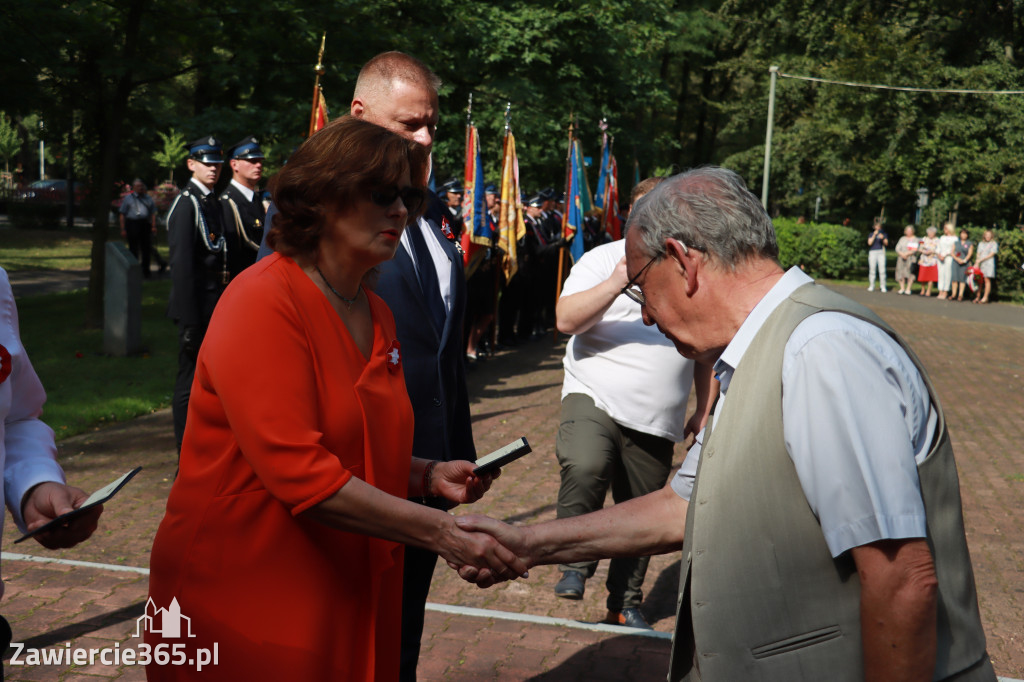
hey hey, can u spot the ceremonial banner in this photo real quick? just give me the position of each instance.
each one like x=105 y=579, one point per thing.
x=319 y=118
x=602 y=175
x=476 y=231
x=577 y=200
x=511 y=227
x=611 y=221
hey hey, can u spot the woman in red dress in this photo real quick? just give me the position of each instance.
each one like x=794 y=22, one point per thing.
x=281 y=547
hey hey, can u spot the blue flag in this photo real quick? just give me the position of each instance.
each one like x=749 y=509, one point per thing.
x=602 y=176
x=574 y=203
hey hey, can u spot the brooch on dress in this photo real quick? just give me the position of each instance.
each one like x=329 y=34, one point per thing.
x=394 y=356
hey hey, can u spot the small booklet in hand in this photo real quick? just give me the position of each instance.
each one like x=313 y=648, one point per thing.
x=98 y=497
x=502 y=456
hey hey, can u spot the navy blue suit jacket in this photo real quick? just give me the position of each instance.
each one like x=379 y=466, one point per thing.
x=432 y=359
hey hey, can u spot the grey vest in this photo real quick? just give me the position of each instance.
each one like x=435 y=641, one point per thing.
x=758 y=586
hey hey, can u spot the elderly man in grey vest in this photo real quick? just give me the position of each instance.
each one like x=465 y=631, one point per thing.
x=819 y=514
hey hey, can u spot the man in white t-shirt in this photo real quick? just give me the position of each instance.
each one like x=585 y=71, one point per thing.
x=623 y=410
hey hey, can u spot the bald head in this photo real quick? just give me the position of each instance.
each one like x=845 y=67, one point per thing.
x=398 y=92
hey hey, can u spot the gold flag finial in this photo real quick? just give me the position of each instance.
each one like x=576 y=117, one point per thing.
x=319 y=68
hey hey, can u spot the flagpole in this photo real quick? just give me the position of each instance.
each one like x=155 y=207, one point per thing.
x=565 y=217
x=498 y=271
x=319 y=69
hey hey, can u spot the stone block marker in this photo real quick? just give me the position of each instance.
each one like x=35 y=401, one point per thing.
x=122 y=302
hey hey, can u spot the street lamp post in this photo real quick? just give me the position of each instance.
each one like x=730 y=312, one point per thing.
x=922 y=201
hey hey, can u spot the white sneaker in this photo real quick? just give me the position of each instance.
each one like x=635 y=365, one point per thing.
x=884 y=290
x=871 y=288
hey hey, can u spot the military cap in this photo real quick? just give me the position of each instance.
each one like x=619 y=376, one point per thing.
x=547 y=194
x=205 y=149
x=246 y=148
x=560 y=198
x=490 y=188
x=452 y=186
x=535 y=201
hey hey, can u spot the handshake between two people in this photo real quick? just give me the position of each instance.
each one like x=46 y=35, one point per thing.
x=508 y=558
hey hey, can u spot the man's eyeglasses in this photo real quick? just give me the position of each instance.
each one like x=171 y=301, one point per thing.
x=412 y=197
x=633 y=292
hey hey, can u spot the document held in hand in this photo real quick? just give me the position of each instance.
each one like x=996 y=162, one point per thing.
x=502 y=456
x=98 y=497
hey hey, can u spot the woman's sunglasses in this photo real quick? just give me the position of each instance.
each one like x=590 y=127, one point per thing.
x=412 y=197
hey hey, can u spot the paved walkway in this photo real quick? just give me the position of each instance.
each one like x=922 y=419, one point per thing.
x=509 y=632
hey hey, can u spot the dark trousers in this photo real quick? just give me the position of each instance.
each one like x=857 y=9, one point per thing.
x=140 y=241
x=596 y=453
x=182 y=388
x=418 y=571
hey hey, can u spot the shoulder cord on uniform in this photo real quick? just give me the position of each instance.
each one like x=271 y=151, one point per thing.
x=220 y=245
x=243 y=235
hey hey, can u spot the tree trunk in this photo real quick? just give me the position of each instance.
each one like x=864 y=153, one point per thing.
x=677 y=129
x=109 y=119
x=702 y=119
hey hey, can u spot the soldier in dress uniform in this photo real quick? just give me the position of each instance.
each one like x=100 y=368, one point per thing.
x=453 y=192
x=199 y=265
x=242 y=204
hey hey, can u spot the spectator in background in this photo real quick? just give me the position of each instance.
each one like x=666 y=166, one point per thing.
x=137 y=216
x=877 y=241
x=947 y=244
x=963 y=250
x=928 y=261
x=986 y=260
x=906 y=250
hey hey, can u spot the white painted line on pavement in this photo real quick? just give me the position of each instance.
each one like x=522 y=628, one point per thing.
x=440 y=608
x=11 y=556
x=545 y=620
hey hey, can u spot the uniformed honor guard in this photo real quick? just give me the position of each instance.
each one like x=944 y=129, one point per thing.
x=452 y=190
x=199 y=265
x=242 y=205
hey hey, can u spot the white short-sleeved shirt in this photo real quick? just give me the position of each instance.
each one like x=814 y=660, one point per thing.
x=28 y=455
x=633 y=373
x=857 y=420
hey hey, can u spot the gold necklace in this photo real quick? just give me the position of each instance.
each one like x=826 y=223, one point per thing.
x=348 y=301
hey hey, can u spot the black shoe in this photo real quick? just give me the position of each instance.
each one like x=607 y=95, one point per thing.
x=571 y=586
x=629 y=617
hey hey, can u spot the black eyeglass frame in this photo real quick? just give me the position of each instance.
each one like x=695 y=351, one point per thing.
x=633 y=292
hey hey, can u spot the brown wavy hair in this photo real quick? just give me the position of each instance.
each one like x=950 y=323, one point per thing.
x=338 y=164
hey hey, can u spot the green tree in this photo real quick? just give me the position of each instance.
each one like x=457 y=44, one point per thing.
x=10 y=140
x=173 y=152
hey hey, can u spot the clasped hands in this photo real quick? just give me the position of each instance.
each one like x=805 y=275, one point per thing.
x=508 y=557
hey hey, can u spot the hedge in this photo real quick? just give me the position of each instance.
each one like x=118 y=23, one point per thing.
x=821 y=249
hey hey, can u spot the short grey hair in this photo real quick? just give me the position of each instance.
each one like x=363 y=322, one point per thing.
x=710 y=209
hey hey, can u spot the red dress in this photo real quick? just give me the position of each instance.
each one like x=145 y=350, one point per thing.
x=284 y=410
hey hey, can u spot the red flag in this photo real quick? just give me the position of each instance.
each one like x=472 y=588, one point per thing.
x=318 y=119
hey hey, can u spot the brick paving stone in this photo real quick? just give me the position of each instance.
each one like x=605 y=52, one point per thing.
x=972 y=354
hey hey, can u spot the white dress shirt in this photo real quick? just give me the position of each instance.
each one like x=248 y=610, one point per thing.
x=442 y=264
x=857 y=420
x=28 y=455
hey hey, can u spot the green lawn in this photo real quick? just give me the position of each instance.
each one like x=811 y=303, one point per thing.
x=44 y=249
x=85 y=388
